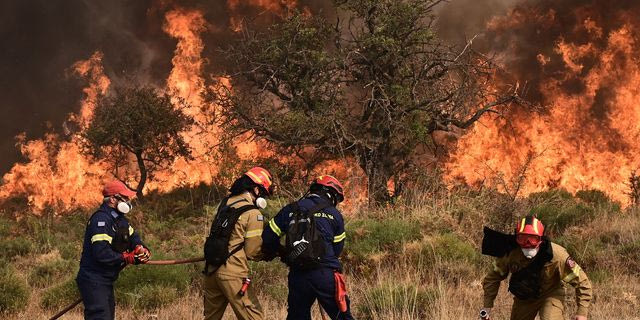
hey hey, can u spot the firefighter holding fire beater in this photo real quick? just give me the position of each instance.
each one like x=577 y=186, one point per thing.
x=110 y=244
x=539 y=270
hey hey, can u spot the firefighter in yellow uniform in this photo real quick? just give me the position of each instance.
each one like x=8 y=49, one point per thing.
x=223 y=283
x=539 y=270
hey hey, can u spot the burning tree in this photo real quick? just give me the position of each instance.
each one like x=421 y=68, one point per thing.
x=373 y=85
x=140 y=122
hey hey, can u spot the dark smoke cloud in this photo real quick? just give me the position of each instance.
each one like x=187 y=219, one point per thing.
x=460 y=20
x=535 y=27
x=42 y=39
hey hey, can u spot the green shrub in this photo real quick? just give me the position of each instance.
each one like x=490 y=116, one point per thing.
x=71 y=250
x=559 y=216
x=630 y=255
x=5 y=226
x=588 y=253
x=368 y=236
x=15 y=247
x=600 y=276
x=399 y=299
x=47 y=272
x=14 y=292
x=130 y=287
x=449 y=247
x=270 y=278
x=153 y=296
x=593 y=196
x=551 y=195
x=60 y=295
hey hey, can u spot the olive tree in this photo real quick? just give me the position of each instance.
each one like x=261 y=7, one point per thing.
x=139 y=122
x=372 y=83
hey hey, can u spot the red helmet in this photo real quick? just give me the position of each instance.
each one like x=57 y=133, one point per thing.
x=331 y=182
x=261 y=177
x=117 y=187
x=529 y=232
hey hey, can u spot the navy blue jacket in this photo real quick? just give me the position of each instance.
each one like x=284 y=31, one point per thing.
x=100 y=262
x=329 y=222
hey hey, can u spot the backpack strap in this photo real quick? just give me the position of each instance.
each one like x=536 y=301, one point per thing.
x=317 y=207
x=238 y=212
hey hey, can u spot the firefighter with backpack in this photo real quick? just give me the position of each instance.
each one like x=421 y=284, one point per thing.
x=235 y=238
x=314 y=238
x=540 y=270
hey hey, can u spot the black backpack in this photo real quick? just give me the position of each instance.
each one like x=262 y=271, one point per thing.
x=304 y=247
x=216 y=247
x=525 y=283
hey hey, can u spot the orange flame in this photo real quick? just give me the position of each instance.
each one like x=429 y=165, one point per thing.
x=56 y=173
x=569 y=146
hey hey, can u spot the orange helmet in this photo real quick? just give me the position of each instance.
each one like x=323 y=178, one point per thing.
x=529 y=232
x=261 y=177
x=332 y=183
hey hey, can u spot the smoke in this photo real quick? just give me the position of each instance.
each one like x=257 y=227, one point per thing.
x=529 y=36
x=578 y=59
x=42 y=39
x=460 y=20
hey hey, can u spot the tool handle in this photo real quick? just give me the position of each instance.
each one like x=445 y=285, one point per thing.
x=65 y=310
x=171 y=262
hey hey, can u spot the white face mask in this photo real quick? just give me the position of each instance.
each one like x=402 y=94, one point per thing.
x=124 y=207
x=261 y=203
x=530 y=253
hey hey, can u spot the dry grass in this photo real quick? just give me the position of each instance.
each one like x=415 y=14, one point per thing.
x=434 y=276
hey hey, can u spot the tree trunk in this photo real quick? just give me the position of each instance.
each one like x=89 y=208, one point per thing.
x=143 y=174
x=378 y=172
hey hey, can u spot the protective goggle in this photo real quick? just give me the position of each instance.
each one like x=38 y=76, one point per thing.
x=122 y=198
x=528 y=241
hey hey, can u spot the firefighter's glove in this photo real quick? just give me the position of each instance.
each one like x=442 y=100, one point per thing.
x=129 y=257
x=141 y=254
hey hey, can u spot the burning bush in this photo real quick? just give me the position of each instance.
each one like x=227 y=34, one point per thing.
x=376 y=85
x=140 y=122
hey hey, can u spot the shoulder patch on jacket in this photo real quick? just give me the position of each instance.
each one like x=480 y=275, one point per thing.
x=570 y=263
x=101 y=223
x=260 y=217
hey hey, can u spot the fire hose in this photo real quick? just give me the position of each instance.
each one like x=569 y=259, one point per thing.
x=151 y=262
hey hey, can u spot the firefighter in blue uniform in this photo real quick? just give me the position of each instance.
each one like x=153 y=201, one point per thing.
x=307 y=285
x=110 y=244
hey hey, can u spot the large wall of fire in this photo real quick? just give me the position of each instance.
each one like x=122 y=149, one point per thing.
x=578 y=59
